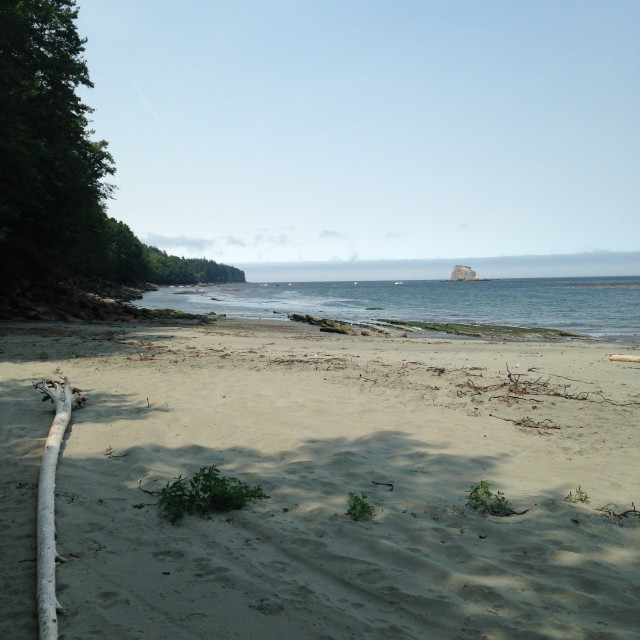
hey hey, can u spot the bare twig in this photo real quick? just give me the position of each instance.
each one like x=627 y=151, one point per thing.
x=544 y=424
x=518 y=388
x=609 y=509
x=151 y=493
x=385 y=484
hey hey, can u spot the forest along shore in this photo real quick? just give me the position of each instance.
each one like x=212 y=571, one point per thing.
x=416 y=429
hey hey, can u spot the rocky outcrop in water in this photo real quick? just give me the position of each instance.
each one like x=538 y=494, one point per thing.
x=461 y=272
x=330 y=326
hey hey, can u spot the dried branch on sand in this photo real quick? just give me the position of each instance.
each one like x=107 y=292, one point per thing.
x=624 y=358
x=63 y=396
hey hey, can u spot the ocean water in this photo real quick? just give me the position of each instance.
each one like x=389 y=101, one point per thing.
x=603 y=308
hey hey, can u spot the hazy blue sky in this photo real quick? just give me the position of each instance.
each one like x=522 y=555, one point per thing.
x=329 y=130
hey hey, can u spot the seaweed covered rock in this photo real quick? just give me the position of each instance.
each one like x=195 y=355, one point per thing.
x=330 y=326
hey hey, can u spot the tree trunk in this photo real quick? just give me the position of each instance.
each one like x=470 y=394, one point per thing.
x=62 y=396
x=625 y=358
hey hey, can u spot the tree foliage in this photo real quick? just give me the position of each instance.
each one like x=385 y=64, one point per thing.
x=53 y=175
x=166 y=269
x=52 y=191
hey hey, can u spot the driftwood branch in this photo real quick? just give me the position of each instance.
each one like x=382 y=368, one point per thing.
x=624 y=358
x=517 y=388
x=609 y=509
x=63 y=396
x=531 y=424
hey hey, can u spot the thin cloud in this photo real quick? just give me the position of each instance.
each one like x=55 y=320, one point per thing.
x=396 y=234
x=281 y=239
x=234 y=242
x=183 y=242
x=329 y=234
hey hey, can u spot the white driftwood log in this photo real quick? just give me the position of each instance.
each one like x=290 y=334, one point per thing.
x=625 y=358
x=63 y=397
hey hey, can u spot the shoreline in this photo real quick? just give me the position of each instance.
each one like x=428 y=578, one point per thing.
x=312 y=416
x=380 y=301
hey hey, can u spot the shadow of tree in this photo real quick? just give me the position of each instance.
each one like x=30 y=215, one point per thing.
x=295 y=565
x=424 y=566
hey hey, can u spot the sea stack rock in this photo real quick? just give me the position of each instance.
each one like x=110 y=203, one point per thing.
x=460 y=272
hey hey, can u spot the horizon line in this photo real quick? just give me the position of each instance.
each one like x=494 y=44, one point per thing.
x=592 y=264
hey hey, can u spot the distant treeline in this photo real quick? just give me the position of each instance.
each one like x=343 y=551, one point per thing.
x=165 y=269
x=54 y=176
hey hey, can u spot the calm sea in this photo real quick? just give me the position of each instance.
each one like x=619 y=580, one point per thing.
x=604 y=308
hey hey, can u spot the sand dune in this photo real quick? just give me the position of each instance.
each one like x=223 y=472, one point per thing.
x=310 y=417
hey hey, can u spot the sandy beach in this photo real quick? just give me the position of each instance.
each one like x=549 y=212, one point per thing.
x=310 y=417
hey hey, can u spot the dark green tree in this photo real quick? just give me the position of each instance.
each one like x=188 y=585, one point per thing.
x=166 y=269
x=52 y=190
x=126 y=261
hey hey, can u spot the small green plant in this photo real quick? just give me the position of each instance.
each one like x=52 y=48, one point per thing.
x=205 y=493
x=359 y=508
x=526 y=421
x=482 y=498
x=580 y=496
x=43 y=355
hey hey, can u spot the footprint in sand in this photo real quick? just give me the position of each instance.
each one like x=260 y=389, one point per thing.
x=109 y=598
x=267 y=606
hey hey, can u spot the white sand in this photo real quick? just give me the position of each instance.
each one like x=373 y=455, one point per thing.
x=311 y=416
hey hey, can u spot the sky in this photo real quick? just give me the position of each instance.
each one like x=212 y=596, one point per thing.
x=346 y=132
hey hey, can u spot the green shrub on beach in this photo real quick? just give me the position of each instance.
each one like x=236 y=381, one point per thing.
x=580 y=496
x=205 y=493
x=483 y=499
x=359 y=508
